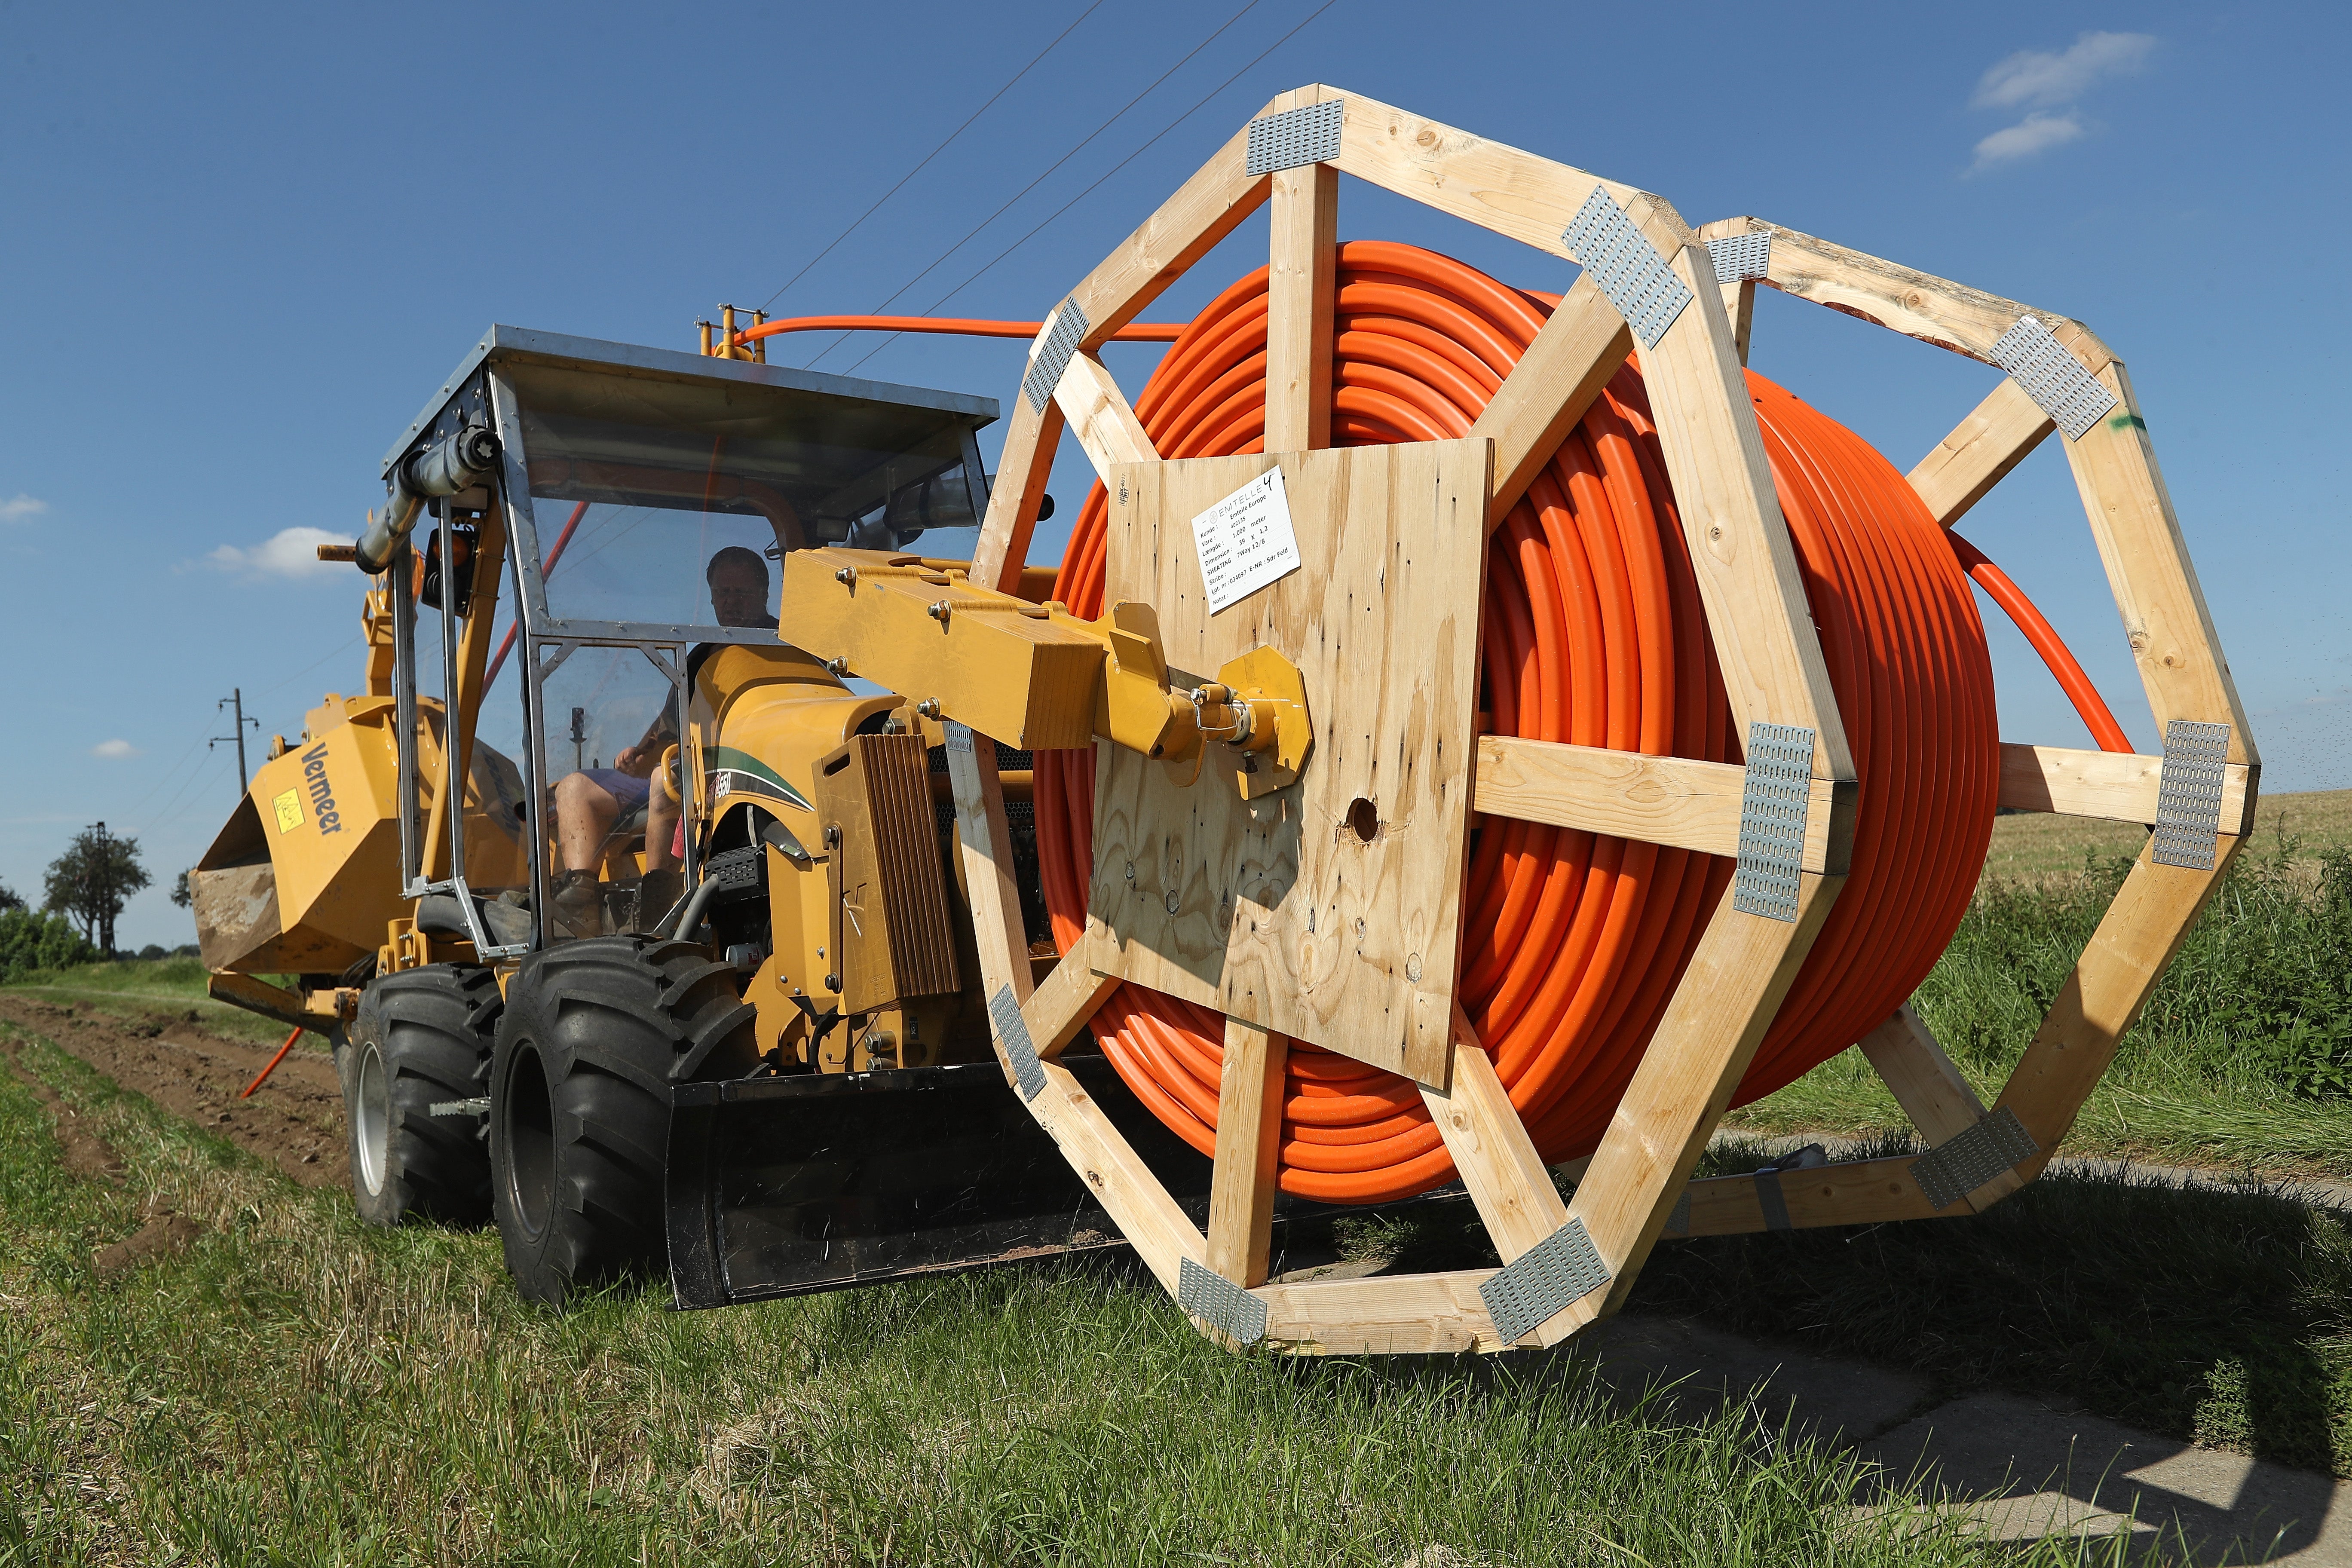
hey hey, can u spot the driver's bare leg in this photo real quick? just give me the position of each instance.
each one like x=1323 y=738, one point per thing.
x=584 y=813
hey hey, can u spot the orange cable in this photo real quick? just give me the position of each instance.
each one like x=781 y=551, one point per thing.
x=2046 y=642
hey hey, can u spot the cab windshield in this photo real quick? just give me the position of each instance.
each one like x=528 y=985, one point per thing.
x=639 y=483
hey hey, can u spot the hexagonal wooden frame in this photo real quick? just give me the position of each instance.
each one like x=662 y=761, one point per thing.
x=1636 y=1186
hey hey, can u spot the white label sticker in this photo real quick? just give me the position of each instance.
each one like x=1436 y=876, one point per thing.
x=1246 y=540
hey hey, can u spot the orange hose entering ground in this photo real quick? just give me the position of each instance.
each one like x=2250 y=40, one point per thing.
x=1593 y=635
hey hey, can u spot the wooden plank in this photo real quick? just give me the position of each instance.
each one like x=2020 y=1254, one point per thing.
x=1918 y=304
x=1515 y=194
x=1508 y=1180
x=1115 y=1175
x=1099 y=415
x=2113 y=786
x=1571 y=359
x=1249 y=1132
x=1276 y=910
x=1933 y=1092
x=2139 y=935
x=1403 y=1314
x=1747 y=566
x=1855 y=1191
x=1030 y=436
x=1980 y=452
x=1735 y=983
x=1058 y=1009
x=1302 y=276
x=989 y=880
x=1739 y=304
x=1675 y=801
x=2139 y=533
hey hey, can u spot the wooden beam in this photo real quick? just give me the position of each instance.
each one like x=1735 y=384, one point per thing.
x=2113 y=786
x=1030 y=436
x=1679 y=802
x=1115 y=1175
x=1249 y=1134
x=2139 y=935
x=1401 y=1314
x=1727 y=996
x=1515 y=194
x=1938 y=1100
x=1980 y=452
x=1563 y=371
x=989 y=880
x=1058 y=1009
x=2138 y=534
x=1301 y=280
x=1747 y=566
x=1099 y=415
x=1918 y=304
x=1854 y=1192
x=1508 y=1180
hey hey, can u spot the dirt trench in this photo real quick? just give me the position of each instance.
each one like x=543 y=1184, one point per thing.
x=295 y=1120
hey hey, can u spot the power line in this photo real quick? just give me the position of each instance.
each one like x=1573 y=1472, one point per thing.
x=162 y=779
x=934 y=152
x=941 y=259
x=1115 y=168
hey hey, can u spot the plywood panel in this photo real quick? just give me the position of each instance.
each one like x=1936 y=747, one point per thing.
x=1276 y=910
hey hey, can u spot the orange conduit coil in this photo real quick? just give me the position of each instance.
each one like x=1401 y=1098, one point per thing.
x=1593 y=634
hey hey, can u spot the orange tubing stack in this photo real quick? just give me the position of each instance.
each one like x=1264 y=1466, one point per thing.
x=1593 y=635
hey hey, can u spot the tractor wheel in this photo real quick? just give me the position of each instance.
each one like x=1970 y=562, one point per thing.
x=421 y=1040
x=595 y=1033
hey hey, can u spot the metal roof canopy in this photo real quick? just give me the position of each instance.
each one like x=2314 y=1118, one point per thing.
x=503 y=343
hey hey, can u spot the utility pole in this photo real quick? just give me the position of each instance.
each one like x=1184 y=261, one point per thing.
x=236 y=701
x=97 y=876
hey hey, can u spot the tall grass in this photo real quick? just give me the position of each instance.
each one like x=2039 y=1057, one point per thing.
x=294 y=1387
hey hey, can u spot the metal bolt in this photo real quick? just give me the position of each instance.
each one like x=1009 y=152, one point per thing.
x=847 y=576
x=937 y=610
x=929 y=707
x=833 y=982
x=836 y=667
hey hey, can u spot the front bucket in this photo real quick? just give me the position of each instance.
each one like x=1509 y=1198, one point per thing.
x=781 y=1187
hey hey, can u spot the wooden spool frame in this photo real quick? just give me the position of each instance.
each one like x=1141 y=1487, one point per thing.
x=1636 y=1183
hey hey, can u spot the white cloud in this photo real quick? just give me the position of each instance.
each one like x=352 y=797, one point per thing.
x=2034 y=133
x=2036 y=79
x=114 y=751
x=288 y=552
x=21 y=507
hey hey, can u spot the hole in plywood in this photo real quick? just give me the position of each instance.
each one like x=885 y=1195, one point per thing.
x=1363 y=819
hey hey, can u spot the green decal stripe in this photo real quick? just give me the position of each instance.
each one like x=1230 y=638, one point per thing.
x=719 y=757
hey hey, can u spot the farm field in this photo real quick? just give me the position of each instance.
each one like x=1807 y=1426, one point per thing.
x=205 y=1358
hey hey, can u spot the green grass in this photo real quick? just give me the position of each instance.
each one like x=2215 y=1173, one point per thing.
x=295 y=1388
x=2242 y=1059
x=149 y=988
x=2035 y=845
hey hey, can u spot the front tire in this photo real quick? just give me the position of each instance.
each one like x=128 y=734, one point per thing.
x=422 y=1038
x=595 y=1033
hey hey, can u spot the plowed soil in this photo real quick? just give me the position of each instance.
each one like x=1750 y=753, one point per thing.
x=295 y=1120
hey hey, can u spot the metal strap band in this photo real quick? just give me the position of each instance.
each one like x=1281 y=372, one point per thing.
x=1561 y=1268
x=1769 y=1198
x=1772 y=807
x=1678 y=1222
x=1219 y=1302
x=2054 y=379
x=1967 y=1161
x=1062 y=341
x=1004 y=1011
x=2189 y=793
x=1296 y=138
x=1626 y=268
x=1739 y=257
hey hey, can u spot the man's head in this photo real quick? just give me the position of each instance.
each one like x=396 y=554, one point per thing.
x=738 y=587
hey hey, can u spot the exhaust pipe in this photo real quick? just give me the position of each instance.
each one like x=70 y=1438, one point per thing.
x=454 y=463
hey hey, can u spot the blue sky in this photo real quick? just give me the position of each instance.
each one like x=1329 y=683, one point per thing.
x=241 y=243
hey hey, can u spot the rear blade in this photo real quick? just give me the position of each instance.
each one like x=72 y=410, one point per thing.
x=782 y=1187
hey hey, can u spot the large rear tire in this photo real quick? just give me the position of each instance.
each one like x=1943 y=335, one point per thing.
x=595 y=1033
x=423 y=1038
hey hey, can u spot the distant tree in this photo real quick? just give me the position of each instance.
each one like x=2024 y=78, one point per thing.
x=29 y=942
x=93 y=879
x=179 y=893
x=154 y=950
x=9 y=900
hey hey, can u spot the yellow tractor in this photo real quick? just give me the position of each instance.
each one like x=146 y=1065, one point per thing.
x=1474 y=732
